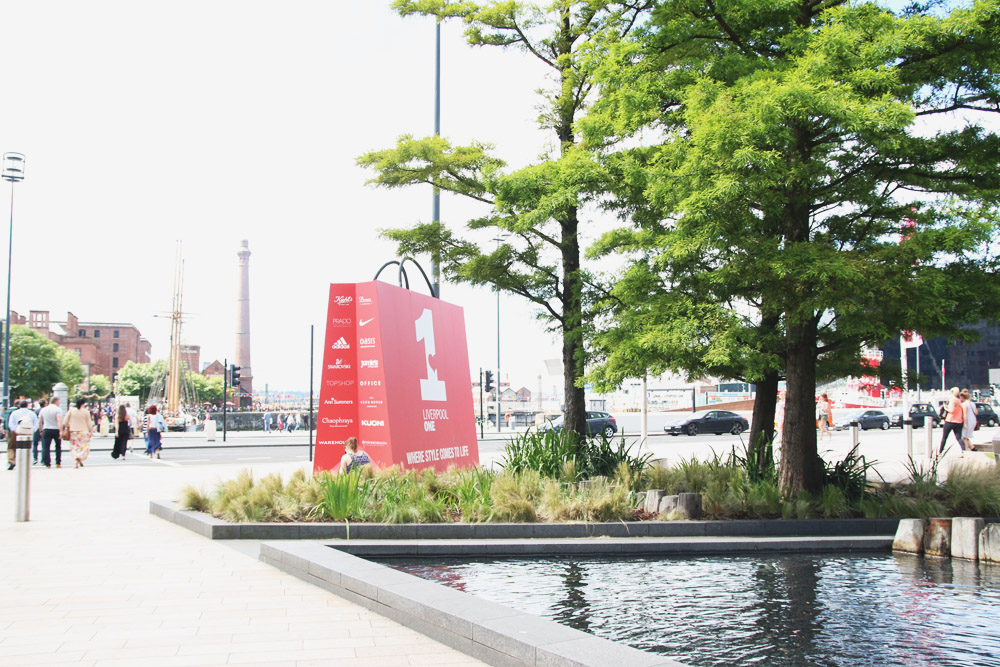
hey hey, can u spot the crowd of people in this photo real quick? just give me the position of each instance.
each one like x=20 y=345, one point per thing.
x=51 y=427
x=286 y=421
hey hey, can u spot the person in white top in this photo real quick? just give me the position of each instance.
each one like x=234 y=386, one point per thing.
x=51 y=417
x=22 y=412
x=971 y=418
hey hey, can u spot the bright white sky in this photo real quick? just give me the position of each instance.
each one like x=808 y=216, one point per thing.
x=144 y=123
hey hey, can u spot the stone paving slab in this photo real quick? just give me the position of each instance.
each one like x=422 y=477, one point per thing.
x=95 y=579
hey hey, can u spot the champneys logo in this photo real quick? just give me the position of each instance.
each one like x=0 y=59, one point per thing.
x=341 y=345
x=343 y=300
x=369 y=363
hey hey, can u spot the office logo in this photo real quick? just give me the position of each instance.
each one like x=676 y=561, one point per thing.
x=341 y=345
x=369 y=383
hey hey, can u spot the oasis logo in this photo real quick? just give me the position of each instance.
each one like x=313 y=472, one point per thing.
x=369 y=363
x=341 y=345
x=372 y=422
x=338 y=422
x=364 y=301
x=338 y=365
x=334 y=401
x=367 y=342
x=340 y=383
x=343 y=300
x=341 y=321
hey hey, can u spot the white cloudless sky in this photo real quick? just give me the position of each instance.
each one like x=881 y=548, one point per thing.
x=147 y=123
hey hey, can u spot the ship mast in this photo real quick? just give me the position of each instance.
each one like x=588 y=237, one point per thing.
x=174 y=362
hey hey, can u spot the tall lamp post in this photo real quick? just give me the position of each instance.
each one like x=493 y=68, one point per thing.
x=13 y=171
x=499 y=239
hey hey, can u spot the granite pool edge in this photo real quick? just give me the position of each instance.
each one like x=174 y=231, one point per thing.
x=217 y=529
x=487 y=631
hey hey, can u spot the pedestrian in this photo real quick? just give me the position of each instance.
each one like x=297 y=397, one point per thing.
x=352 y=458
x=36 y=439
x=123 y=431
x=291 y=422
x=971 y=418
x=22 y=412
x=954 y=419
x=154 y=424
x=80 y=425
x=267 y=422
x=51 y=426
x=823 y=416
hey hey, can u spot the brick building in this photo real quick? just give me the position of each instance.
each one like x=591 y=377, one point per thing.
x=191 y=355
x=104 y=347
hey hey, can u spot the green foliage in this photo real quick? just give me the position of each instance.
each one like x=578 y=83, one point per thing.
x=35 y=363
x=341 y=496
x=206 y=388
x=100 y=385
x=850 y=475
x=71 y=370
x=193 y=498
x=565 y=455
x=136 y=379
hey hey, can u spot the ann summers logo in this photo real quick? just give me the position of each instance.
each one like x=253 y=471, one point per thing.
x=334 y=401
x=341 y=344
x=372 y=422
x=367 y=342
x=343 y=300
x=369 y=363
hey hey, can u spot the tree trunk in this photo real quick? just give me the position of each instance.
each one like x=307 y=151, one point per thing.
x=762 y=421
x=800 y=466
x=572 y=330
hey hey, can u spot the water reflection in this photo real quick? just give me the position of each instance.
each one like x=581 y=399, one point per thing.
x=788 y=610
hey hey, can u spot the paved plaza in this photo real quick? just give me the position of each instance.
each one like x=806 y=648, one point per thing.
x=94 y=579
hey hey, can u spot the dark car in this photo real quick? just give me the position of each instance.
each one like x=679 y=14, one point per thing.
x=922 y=411
x=986 y=416
x=866 y=419
x=713 y=421
x=895 y=418
x=598 y=423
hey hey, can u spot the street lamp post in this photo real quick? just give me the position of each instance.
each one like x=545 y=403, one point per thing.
x=13 y=171
x=499 y=239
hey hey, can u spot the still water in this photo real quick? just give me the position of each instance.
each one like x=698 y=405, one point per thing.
x=872 y=609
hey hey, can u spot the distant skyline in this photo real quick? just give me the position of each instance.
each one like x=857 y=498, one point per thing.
x=147 y=123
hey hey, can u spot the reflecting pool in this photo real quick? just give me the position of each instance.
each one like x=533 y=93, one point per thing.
x=869 y=609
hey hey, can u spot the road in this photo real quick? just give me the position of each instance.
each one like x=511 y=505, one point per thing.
x=886 y=448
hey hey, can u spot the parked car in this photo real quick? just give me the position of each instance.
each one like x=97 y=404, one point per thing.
x=987 y=416
x=895 y=418
x=922 y=411
x=597 y=423
x=866 y=419
x=713 y=421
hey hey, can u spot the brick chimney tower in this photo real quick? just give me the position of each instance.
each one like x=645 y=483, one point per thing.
x=242 y=358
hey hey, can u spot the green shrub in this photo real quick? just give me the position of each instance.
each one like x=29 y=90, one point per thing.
x=195 y=499
x=972 y=490
x=833 y=503
x=561 y=454
x=515 y=496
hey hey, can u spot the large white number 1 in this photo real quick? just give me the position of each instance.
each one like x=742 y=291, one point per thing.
x=431 y=389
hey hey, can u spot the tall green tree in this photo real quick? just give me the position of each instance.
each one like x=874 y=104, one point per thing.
x=72 y=372
x=206 y=388
x=539 y=208
x=135 y=379
x=34 y=363
x=767 y=156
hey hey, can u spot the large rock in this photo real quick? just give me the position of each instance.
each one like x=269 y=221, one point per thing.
x=989 y=543
x=667 y=504
x=652 y=503
x=689 y=504
x=937 y=538
x=965 y=537
x=910 y=536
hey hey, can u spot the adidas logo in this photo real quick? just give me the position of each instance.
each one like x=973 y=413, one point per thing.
x=341 y=344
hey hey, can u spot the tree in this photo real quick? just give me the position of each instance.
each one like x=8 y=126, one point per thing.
x=34 y=363
x=100 y=386
x=207 y=388
x=136 y=379
x=71 y=370
x=793 y=142
x=541 y=205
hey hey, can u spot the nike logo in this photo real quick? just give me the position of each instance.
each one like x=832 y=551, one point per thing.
x=364 y=322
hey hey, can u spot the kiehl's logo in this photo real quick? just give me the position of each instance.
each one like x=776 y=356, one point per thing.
x=343 y=300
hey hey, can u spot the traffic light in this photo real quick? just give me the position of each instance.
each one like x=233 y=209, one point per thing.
x=993 y=390
x=234 y=375
x=489 y=382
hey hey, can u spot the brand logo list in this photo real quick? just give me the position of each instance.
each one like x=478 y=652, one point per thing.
x=367 y=342
x=369 y=363
x=369 y=383
x=372 y=422
x=341 y=344
x=339 y=365
x=340 y=383
x=334 y=401
x=338 y=422
x=341 y=321
x=343 y=300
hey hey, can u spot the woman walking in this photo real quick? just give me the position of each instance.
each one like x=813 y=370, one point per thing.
x=971 y=419
x=953 y=421
x=80 y=425
x=123 y=431
x=823 y=416
x=154 y=428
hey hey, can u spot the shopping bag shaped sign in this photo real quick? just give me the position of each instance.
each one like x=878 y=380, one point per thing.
x=396 y=376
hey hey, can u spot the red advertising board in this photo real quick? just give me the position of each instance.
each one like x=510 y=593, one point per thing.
x=396 y=376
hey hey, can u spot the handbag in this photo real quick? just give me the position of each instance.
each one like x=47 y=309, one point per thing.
x=64 y=435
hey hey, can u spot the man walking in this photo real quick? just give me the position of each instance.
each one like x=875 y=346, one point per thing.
x=51 y=426
x=37 y=438
x=267 y=422
x=22 y=412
